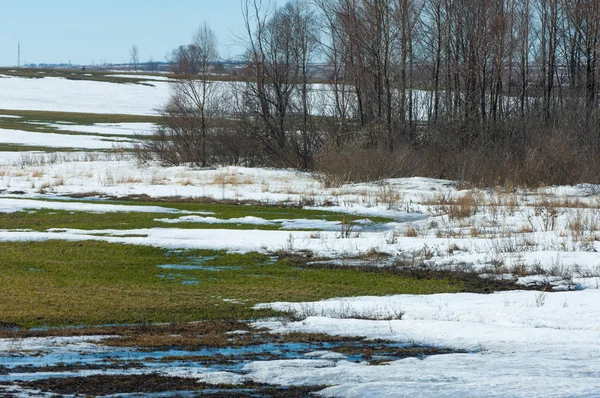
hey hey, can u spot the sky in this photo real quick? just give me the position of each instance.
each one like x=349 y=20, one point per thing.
x=86 y=32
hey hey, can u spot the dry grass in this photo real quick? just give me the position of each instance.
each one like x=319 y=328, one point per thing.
x=389 y=197
x=411 y=232
x=581 y=224
x=129 y=180
x=463 y=207
x=44 y=186
x=231 y=179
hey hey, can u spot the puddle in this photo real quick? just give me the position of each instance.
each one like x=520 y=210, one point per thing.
x=185 y=267
x=103 y=365
x=197 y=263
x=271 y=276
x=183 y=279
x=191 y=282
x=87 y=359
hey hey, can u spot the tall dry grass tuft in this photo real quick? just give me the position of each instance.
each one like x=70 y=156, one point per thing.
x=463 y=207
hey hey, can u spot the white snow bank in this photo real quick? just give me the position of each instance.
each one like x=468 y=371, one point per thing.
x=325 y=244
x=11 y=205
x=109 y=128
x=521 y=344
x=303 y=223
x=145 y=77
x=53 y=140
x=62 y=95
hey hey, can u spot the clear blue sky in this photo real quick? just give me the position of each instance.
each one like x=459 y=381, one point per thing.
x=82 y=31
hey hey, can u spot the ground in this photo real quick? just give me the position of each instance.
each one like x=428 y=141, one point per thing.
x=121 y=277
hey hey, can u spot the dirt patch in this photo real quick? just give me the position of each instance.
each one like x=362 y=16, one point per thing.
x=471 y=281
x=105 y=385
x=184 y=336
x=207 y=333
x=71 y=367
x=8 y=326
x=380 y=351
x=138 y=358
x=178 y=199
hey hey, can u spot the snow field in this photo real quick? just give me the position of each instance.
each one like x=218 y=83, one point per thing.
x=550 y=230
x=58 y=94
x=519 y=344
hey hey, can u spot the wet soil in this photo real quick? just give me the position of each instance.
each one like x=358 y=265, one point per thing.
x=137 y=359
x=139 y=384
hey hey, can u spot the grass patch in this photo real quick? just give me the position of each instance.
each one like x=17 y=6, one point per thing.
x=73 y=117
x=272 y=212
x=58 y=283
x=30 y=148
x=74 y=74
x=42 y=220
x=37 y=122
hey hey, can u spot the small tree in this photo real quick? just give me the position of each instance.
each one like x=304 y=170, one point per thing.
x=134 y=53
x=281 y=43
x=194 y=103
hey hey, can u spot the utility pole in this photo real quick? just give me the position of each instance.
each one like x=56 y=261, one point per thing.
x=19 y=55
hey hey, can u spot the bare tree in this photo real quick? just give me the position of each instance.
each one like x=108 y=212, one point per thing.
x=497 y=79
x=195 y=102
x=280 y=48
x=134 y=54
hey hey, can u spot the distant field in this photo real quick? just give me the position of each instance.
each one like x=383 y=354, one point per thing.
x=76 y=74
x=82 y=94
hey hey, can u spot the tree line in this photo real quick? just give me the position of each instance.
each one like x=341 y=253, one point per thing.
x=480 y=90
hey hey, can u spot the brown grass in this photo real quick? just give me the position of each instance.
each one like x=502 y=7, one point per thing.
x=231 y=179
x=411 y=232
x=463 y=207
x=129 y=180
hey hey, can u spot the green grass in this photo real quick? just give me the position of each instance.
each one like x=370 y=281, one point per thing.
x=30 y=121
x=75 y=117
x=37 y=121
x=42 y=220
x=242 y=210
x=28 y=118
x=58 y=283
x=28 y=148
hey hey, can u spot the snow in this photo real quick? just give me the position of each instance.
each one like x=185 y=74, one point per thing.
x=130 y=129
x=519 y=343
x=63 y=95
x=499 y=239
x=58 y=94
x=361 y=225
x=243 y=241
x=112 y=135
x=144 y=77
x=58 y=345
x=515 y=346
x=53 y=140
x=12 y=205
